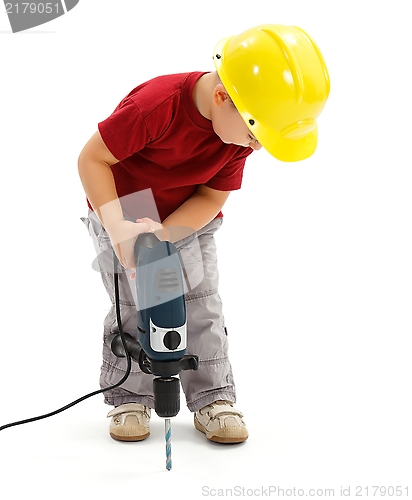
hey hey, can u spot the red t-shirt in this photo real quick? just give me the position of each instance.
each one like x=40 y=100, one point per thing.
x=166 y=148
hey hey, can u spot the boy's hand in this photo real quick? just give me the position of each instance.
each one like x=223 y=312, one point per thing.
x=123 y=235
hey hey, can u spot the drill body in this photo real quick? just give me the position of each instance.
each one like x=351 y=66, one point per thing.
x=161 y=314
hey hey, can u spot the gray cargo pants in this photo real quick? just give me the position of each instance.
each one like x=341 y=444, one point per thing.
x=206 y=337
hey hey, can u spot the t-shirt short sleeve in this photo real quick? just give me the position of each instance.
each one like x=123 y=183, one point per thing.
x=124 y=132
x=229 y=178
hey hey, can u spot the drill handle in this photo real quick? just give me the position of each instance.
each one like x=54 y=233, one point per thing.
x=115 y=343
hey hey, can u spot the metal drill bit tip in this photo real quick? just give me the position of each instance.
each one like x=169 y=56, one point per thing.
x=168 y=437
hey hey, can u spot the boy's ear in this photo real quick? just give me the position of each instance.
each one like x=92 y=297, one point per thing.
x=220 y=95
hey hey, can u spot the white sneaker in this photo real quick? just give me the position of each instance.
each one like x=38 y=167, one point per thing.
x=130 y=422
x=221 y=422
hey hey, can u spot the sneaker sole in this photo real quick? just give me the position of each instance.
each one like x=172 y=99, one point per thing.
x=129 y=436
x=219 y=439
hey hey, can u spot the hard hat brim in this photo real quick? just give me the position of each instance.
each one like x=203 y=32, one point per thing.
x=288 y=150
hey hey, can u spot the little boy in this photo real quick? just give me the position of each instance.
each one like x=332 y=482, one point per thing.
x=184 y=139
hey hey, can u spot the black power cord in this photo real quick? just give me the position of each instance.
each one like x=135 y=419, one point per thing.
x=128 y=357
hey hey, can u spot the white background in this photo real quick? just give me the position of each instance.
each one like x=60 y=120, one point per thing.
x=315 y=260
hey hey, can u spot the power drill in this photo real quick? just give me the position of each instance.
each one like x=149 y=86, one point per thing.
x=160 y=343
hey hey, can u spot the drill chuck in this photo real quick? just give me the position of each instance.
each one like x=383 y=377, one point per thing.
x=167 y=396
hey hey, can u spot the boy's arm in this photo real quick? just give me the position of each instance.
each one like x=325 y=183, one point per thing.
x=98 y=182
x=94 y=165
x=194 y=213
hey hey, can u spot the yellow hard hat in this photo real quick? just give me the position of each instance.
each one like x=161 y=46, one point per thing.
x=279 y=83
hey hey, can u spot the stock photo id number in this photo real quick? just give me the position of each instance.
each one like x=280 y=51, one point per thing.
x=26 y=15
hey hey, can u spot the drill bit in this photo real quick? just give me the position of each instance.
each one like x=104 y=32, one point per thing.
x=168 y=437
